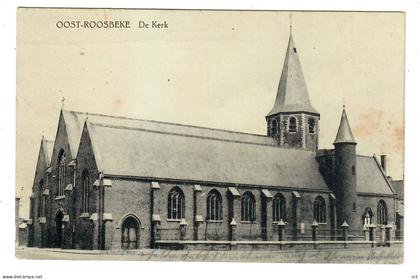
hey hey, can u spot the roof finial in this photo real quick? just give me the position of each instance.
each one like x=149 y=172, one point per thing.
x=344 y=103
x=62 y=101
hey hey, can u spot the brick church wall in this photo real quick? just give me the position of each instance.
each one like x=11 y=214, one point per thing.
x=127 y=197
x=81 y=220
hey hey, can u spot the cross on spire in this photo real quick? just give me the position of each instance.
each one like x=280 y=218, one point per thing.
x=62 y=101
x=290 y=22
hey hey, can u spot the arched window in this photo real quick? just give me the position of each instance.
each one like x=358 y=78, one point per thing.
x=279 y=208
x=62 y=165
x=130 y=234
x=248 y=207
x=311 y=124
x=320 y=210
x=176 y=204
x=382 y=213
x=85 y=191
x=274 y=127
x=292 y=124
x=41 y=203
x=214 y=206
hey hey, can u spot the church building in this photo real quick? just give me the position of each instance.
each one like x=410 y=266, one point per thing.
x=109 y=182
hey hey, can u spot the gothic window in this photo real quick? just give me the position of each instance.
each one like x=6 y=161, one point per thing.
x=382 y=213
x=85 y=191
x=279 y=208
x=214 y=206
x=319 y=210
x=176 y=204
x=248 y=207
x=274 y=127
x=311 y=124
x=292 y=124
x=41 y=202
x=353 y=170
x=62 y=165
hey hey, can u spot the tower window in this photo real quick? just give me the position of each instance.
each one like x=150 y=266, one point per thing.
x=292 y=124
x=274 y=129
x=294 y=49
x=353 y=170
x=311 y=124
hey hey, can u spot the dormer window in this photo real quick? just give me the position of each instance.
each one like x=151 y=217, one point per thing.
x=274 y=127
x=292 y=124
x=311 y=125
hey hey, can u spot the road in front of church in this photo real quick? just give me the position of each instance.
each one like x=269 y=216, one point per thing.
x=377 y=255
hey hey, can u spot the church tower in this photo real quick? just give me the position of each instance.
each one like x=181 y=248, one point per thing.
x=346 y=175
x=292 y=121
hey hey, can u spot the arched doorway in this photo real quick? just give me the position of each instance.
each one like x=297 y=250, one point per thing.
x=130 y=237
x=59 y=228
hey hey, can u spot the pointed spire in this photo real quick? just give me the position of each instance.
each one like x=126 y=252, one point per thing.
x=292 y=94
x=344 y=134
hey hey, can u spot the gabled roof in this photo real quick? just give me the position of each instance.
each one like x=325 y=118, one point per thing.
x=292 y=94
x=370 y=177
x=136 y=152
x=74 y=125
x=344 y=133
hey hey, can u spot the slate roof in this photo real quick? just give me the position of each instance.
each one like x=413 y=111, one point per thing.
x=398 y=186
x=292 y=94
x=370 y=177
x=75 y=121
x=129 y=151
x=344 y=133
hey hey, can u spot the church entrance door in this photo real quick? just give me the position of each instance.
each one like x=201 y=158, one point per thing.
x=59 y=228
x=130 y=234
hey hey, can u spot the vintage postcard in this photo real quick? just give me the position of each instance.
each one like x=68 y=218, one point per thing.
x=198 y=135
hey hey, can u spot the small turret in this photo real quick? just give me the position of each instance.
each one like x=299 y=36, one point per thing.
x=346 y=175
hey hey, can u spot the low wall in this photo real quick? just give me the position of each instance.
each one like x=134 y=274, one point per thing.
x=267 y=245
